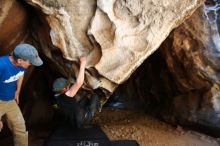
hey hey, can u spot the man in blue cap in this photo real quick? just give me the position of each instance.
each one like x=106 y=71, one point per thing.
x=12 y=70
x=75 y=110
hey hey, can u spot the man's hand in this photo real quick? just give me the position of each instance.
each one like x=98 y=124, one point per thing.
x=17 y=97
x=79 y=80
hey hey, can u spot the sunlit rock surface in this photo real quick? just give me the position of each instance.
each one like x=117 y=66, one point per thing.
x=116 y=35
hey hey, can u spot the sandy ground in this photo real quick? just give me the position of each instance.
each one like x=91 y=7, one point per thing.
x=130 y=125
x=147 y=131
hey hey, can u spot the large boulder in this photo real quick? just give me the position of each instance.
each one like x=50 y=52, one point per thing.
x=117 y=35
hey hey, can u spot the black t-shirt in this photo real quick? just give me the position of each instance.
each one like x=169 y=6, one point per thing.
x=73 y=112
x=68 y=107
x=65 y=101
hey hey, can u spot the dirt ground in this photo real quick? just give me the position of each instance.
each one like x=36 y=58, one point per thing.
x=147 y=131
x=130 y=125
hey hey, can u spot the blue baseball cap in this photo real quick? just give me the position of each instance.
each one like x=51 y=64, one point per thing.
x=61 y=83
x=28 y=52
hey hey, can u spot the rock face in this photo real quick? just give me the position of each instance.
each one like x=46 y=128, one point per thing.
x=117 y=35
x=187 y=62
x=13 y=24
x=195 y=48
x=136 y=33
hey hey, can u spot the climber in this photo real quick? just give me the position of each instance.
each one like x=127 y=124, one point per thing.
x=75 y=111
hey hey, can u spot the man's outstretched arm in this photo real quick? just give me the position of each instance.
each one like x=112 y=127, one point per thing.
x=80 y=79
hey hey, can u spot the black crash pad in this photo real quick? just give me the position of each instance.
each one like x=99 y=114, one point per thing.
x=89 y=136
